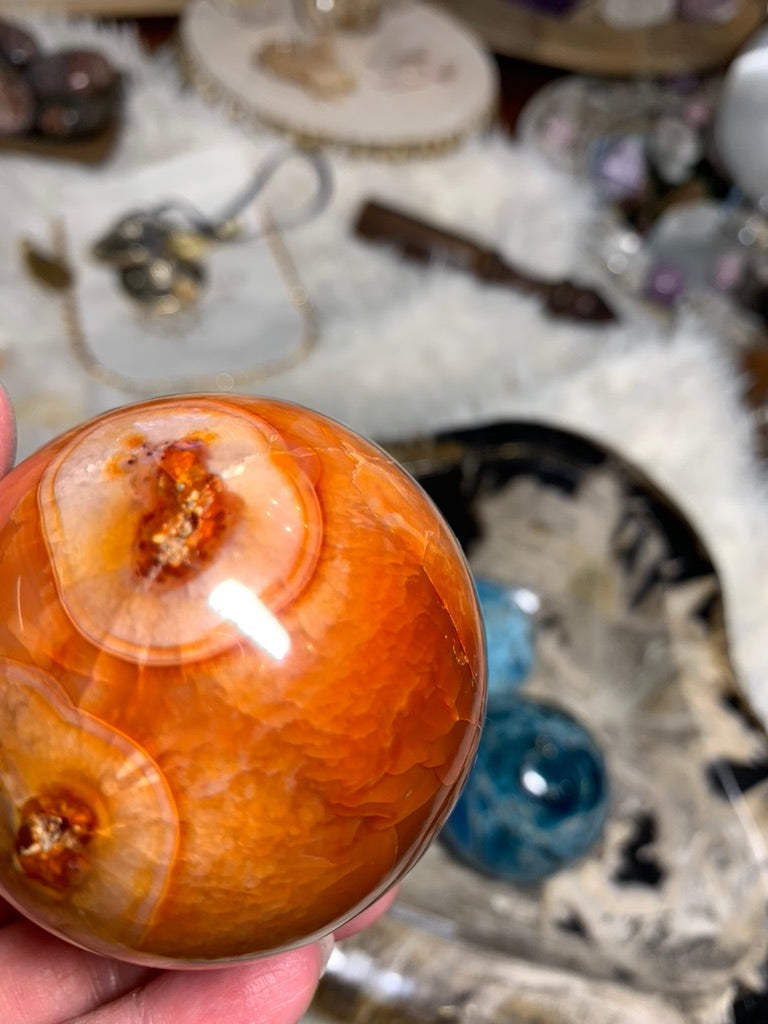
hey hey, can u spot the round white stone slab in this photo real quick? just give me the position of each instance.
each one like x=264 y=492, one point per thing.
x=420 y=82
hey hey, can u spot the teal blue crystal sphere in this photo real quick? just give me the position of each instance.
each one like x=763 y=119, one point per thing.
x=509 y=633
x=537 y=797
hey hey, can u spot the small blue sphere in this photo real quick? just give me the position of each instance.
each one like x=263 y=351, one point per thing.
x=537 y=797
x=509 y=635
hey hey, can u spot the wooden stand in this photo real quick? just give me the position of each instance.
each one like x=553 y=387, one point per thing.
x=585 y=43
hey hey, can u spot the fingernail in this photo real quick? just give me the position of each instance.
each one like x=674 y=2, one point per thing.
x=324 y=949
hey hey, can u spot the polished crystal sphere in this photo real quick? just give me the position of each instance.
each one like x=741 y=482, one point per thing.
x=17 y=102
x=509 y=634
x=537 y=797
x=77 y=92
x=17 y=46
x=241 y=679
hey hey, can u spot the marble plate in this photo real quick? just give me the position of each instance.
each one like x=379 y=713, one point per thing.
x=419 y=84
x=664 y=919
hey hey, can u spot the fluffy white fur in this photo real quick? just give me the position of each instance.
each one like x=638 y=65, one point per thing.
x=406 y=350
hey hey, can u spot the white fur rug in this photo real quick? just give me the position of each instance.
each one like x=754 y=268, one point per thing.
x=404 y=350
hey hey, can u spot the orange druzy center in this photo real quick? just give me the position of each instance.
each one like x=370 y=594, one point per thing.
x=52 y=839
x=187 y=515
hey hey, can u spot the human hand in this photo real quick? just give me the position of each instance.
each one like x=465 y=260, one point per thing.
x=7 y=433
x=46 y=981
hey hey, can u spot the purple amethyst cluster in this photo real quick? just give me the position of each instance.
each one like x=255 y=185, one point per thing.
x=555 y=7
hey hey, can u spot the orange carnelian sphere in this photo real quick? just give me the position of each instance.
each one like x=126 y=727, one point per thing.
x=241 y=679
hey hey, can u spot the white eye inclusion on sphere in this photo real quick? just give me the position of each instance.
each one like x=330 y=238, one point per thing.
x=154 y=601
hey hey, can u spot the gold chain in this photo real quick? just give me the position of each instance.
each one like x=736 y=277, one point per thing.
x=223 y=381
x=217 y=94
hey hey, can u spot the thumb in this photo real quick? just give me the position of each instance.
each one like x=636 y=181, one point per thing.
x=7 y=433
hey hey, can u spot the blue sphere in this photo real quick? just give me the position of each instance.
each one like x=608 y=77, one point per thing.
x=537 y=797
x=509 y=635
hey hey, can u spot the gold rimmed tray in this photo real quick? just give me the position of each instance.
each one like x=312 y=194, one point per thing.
x=419 y=84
